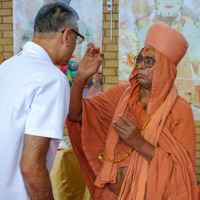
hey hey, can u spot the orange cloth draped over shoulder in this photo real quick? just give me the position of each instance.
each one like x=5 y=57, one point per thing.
x=171 y=173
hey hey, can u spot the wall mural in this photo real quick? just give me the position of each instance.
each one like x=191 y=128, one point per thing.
x=135 y=18
x=90 y=25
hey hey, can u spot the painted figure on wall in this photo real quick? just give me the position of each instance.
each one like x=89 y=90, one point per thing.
x=185 y=19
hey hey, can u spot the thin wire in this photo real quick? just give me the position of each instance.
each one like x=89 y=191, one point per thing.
x=111 y=22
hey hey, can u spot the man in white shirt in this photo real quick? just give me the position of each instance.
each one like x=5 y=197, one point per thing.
x=34 y=103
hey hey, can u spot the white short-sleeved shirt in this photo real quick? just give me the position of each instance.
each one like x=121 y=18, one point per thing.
x=34 y=100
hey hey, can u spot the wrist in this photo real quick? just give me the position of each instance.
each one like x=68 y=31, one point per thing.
x=138 y=143
x=145 y=149
x=80 y=77
x=81 y=86
x=80 y=80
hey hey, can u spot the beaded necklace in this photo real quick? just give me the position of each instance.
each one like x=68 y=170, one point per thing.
x=102 y=155
x=145 y=124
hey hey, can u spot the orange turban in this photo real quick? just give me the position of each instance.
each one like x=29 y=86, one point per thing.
x=168 y=41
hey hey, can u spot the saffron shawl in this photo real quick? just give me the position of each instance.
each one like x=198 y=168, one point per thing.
x=170 y=174
x=173 y=162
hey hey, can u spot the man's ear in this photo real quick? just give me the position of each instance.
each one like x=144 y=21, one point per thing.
x=66 y=36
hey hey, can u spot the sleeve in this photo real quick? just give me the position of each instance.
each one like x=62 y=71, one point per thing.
x=98 y=110
x=48 y=102
x=184 y=128
x=171 y=171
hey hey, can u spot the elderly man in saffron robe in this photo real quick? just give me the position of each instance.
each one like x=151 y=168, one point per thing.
x=137 y=141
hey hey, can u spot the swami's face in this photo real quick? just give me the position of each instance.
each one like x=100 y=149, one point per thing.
x=145 y=66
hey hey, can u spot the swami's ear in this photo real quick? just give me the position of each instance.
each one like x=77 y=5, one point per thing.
x=66 y=36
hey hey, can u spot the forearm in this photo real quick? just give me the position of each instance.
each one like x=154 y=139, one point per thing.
x=75 y=108
x=33 y=167
x=144 y=148
x=38 y=185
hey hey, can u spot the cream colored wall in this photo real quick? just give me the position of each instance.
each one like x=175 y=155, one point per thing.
x=110 y=50
x=6 y=29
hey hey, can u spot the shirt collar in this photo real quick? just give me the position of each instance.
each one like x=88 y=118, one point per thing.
x=36 y=49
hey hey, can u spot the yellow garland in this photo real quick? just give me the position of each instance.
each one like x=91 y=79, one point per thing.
x=102 y=156
x=145 y=124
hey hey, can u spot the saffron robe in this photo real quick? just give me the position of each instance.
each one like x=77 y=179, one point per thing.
x=171 y=173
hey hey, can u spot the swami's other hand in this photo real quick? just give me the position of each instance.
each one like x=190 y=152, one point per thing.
x=128 y=131
x=131 y=135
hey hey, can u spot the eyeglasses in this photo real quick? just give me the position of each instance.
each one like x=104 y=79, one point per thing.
x=80 y=37
x=148 y=61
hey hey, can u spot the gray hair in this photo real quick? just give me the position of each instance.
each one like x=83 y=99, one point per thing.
x=54 y=17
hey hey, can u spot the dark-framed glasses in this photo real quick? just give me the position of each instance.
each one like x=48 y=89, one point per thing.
x=148 y=61
x=80 y=37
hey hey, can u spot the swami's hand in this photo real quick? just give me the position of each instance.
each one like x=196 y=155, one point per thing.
x=131 y=135
x=90 y=63
x=128 y=131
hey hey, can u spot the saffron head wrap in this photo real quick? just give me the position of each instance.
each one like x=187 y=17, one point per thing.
x=168 y=41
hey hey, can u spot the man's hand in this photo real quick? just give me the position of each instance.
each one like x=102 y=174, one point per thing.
x=130 y=134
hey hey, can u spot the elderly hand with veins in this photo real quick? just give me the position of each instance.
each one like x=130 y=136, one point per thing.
x=131 y=135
